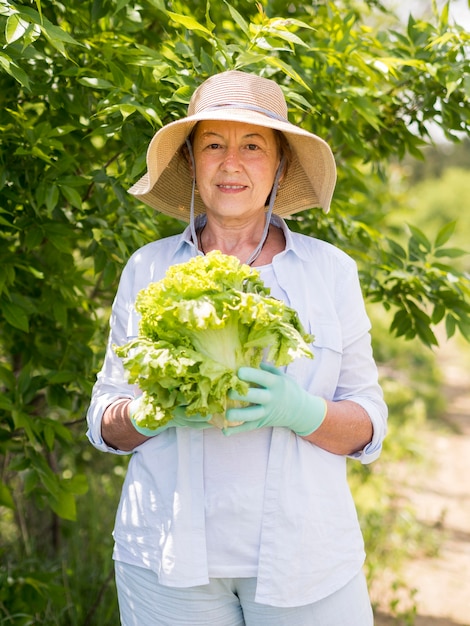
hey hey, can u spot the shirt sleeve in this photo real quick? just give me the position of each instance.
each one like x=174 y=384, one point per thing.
x=111 y=382
x=358 y=380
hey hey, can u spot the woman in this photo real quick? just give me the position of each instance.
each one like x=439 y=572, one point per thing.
x=257 y=527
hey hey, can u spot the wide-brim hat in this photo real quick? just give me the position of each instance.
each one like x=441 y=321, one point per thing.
x=235 y=96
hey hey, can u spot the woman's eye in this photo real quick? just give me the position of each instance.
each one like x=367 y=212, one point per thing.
x=252 y=146
x=210 y=146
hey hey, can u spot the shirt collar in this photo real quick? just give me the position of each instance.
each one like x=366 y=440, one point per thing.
x=186 y=239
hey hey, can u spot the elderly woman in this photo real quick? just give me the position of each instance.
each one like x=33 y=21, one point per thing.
x=258 y=527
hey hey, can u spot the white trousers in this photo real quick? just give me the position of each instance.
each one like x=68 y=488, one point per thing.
x=230 y=602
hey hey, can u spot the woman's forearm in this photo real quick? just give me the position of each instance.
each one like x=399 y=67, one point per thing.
x=117 y=429
x=347 y=428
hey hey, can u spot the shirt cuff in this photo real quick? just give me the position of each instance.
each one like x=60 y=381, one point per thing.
x=95 y=414
x=372 y=450
x=370 y=453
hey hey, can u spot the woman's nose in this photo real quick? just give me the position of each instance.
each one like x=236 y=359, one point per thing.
x=231 y=160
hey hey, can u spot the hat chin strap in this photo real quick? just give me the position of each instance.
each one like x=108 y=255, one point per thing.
x=272 y=198
x=193 y=193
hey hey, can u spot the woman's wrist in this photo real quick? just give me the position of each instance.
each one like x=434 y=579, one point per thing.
x=117 y=429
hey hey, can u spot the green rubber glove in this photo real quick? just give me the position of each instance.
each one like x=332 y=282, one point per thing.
x=276 y=400
x=179 y=419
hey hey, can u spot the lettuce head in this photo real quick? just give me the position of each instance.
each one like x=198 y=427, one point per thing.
x=199 y=324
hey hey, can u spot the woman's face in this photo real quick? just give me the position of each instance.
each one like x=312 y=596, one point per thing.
x=235 y=167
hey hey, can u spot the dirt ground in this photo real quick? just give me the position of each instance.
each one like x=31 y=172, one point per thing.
x=440 y=494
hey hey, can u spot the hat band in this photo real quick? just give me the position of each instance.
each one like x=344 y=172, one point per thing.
x=249 y=107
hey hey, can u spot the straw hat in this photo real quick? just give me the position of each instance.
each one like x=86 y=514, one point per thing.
x=239 y=97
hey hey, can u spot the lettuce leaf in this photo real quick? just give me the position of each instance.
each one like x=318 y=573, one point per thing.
x=199 y=324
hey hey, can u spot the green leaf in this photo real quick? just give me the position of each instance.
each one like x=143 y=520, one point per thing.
x=237 y=18
x=367 y=109
x=77 y=485
x=287 y=69
x=464 y=328
x=209 y=21
x=444 y=17
x=96 y=83
x=63 y=433
x=446 y=268
x=32 y=33
x=8 y=378
x=49 y=436
x=5 y=403
x=451 y=253
x=57 y=37
x=19 y=464
x=120 y=5
x=38 y=4
x=278 y=28
x=64 y=505
x=397 y=249
x=438 y=313
x=45 y=474
x=109 y=274
x=419 y=237
x=189 y=22
x=15 y=315
x=158 y=4
x=33 y=238
x=15 y=28
x=31 y=481
x=72 y=196
x=401 y=323
x=60 y=235
x=6 y=499
x=14 y=70
x=52 y=198
x=182 y=94
x=56 y=34
x=8 y=224
x=445 y=234
x=53 y=33
x=425 y=333
x=35 y=272
x=60 y=311
x=396 y=62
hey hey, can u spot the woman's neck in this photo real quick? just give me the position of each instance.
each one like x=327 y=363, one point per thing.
x=241 y=241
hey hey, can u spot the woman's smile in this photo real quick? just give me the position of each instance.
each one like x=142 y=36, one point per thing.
x=226 y=187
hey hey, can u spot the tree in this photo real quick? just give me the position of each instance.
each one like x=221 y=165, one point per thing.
x=84 y=85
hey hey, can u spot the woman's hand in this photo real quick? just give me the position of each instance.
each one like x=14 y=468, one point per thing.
x=275 y=400
x=179 y=419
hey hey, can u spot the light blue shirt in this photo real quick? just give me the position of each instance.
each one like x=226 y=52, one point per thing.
x=311 y=544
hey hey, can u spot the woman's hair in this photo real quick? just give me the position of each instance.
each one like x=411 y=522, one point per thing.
x=284 y=149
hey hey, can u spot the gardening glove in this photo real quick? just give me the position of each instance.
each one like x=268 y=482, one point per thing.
x=275 y=400
x=179 y=419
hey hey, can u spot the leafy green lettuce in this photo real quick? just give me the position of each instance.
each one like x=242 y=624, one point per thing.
x=199 y=324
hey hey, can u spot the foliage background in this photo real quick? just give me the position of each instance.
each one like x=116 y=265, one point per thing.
x=83 y=87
